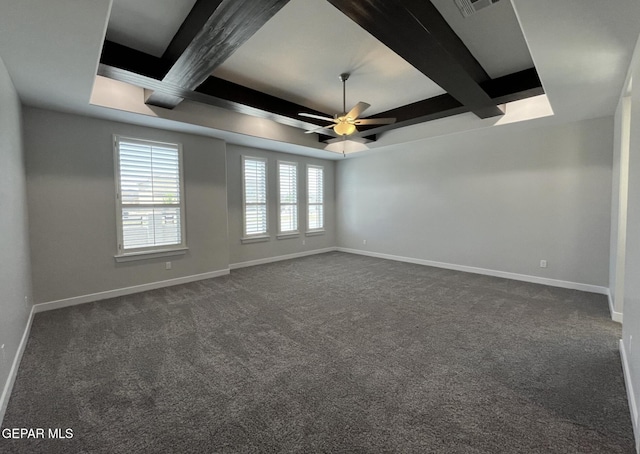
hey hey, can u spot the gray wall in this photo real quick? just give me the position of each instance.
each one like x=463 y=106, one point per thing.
x=239 y=252
x=502 y=199
x=71 y=190
x=15 y=285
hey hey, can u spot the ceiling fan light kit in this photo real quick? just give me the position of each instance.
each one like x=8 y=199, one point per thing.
x=345 y=122
x=344 y=127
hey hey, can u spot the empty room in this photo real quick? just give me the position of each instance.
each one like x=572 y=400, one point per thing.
x=336 y=226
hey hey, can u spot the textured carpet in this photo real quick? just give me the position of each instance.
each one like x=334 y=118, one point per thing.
x=329 y=353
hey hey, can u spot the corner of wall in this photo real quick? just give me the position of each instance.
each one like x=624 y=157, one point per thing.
x=15 y=274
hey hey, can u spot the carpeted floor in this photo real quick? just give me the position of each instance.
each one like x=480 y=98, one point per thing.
x=330 y=353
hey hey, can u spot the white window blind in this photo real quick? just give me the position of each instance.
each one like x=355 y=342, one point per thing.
x=315 y=197
x=288 y=196
x=254 y=174
x=150 y=196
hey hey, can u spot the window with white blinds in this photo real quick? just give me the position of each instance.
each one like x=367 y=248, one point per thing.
x=315 y=197
x=254 y=177
x=150 y=196
x=288 y=197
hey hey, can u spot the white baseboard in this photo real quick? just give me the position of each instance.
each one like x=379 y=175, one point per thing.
x=615 y=316
x=235 y=266
x=13 y=372
x=631 y=397
x=495 y=273
x=41 y=307
x=6 y=393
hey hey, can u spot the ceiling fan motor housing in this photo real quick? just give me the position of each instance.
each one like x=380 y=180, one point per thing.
x=345 y=122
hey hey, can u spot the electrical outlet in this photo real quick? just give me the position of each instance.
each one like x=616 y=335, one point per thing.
x=543 y=263
x=167 y=265
x=304 y=242
x=364 y=241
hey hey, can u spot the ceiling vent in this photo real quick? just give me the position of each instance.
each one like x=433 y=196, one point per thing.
x=470 y=7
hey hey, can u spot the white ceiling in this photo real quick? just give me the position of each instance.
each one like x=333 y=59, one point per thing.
x=51 y=49
x=299 y=53
x=492 y=35
x=147 y=25
x=581 y=49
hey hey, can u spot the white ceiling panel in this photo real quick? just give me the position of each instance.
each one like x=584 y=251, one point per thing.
x=299 y=54
x=492 y=35
x=147 y=25
x=582 y=50
x=52 y=49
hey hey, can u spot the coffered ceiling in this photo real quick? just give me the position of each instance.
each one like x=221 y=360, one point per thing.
x=298 y=54
x=277 y=58
x=244 y=69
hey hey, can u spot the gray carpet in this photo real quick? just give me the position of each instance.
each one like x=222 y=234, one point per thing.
x=329 y=353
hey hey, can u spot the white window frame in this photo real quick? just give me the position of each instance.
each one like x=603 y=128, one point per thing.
x=320 y=230
x=141 y=253
x=296 y=231
x=262 y=236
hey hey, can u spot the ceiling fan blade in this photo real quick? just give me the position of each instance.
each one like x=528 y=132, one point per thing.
x=358 y=109
x=311 y=131
x=375 y=121
x=317 y=117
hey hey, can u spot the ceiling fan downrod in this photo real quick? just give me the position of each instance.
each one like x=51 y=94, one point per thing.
x=344 y=77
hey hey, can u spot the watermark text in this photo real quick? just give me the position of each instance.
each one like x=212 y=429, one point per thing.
x=37 y=432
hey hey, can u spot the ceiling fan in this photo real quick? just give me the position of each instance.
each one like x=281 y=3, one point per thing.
x=344 y=124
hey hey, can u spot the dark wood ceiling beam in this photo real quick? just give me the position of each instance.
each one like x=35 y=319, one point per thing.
x=441 y=106
x=122 y=57
x=513 y=87
x=226 y=95
x=429 y=16
x=270 y=107
x=193 y=24
x=255 y=100
x=198 y=48
x=415 y=30
x=136 y=68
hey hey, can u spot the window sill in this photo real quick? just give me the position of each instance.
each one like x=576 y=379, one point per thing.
x=255 y=239
x=284 y=236
x=314 y=232
x=144 y=255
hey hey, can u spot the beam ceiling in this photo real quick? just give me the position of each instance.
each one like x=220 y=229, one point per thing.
x=415 y=30
x=212 y=31
x=426 y=41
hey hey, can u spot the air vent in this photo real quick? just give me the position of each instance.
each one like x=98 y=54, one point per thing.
x=470 y=7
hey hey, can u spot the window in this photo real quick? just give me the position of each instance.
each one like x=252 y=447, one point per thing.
x=150 y=196
x=288 y=197
x=315 y=197
x=254 y=177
